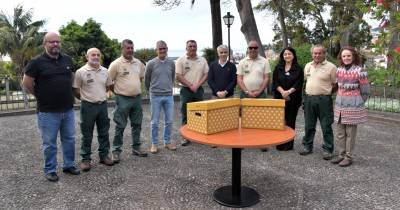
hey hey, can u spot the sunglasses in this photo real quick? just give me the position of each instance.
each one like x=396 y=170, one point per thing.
x=253 y=48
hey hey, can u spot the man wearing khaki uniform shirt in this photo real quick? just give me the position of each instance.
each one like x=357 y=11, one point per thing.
x=320 y=78
x=127 y=72
x=91 y=84
x=252 y=73
x=191 y=73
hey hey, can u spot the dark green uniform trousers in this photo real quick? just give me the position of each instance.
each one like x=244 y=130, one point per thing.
x=91 y=114
x=318 y=107
x=127 y=107
x=188 y=96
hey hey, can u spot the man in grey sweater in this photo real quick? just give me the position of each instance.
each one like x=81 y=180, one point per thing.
x=159 y=81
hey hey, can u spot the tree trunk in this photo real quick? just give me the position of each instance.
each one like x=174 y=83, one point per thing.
x=285 y=42
x=346 y=36
x=249 y=26
x=216 y=23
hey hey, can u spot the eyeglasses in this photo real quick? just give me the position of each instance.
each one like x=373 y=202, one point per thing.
x=252 y=48
x=224 y=52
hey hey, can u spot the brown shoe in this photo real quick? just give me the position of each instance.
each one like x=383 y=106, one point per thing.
x=86 y=166
x=153 y=149
x=337 y=159
x=170 y=146
x=107 y=161
x=345 y=162
x=115 y=157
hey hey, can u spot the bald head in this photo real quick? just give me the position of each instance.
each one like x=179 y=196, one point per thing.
x=52 y=44
x=93 y=56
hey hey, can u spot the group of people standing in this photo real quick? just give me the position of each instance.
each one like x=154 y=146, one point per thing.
x=50 y=78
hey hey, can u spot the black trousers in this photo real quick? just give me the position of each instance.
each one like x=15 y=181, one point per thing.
x=291 y=110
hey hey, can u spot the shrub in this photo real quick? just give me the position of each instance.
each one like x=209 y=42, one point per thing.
x=210 y=54
x=145 y=54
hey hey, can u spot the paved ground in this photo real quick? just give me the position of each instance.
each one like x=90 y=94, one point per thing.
x=186 y=179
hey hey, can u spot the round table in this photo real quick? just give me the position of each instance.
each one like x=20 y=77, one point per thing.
x=236 y=195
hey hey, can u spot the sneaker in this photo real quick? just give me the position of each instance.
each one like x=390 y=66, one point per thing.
x=345 y=162
x=185 y=142
x=153 y=149
x=71 y=170
x=305 y=152
x=170 y=146
x=85 y=166
x=139 y=153
x=115 y=157
x=107 y=161
x=327 y=156
x=52 y=177
x=337 y=159
x=264 y=150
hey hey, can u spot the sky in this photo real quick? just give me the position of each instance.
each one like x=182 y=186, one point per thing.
x=144 y=23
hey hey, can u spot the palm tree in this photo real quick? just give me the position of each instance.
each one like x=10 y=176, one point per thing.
x=20 y=37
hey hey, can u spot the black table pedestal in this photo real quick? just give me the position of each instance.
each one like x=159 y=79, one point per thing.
x=235 y=195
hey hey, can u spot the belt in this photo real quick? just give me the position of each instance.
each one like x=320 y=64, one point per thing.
x=316 y=95
x=97 y=102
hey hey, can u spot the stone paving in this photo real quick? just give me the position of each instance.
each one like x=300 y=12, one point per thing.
x=186 y=179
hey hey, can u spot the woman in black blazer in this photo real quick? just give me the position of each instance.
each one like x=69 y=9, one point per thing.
x=287 y=83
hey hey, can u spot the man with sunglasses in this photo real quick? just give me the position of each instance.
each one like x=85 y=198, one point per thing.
x=159 y=81
x=222 y=75
x=191 y=73
x=253 y=73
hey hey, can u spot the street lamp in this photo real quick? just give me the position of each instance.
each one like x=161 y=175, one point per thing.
x=331 y=29
x=228 y=20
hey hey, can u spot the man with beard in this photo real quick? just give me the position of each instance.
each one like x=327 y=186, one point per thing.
x=91 y=84
x=49 y=78
x=127 y=73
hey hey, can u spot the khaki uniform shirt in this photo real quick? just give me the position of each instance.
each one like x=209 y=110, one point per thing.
x=191 y=69
x=319 y=78
x=253 y=71
x=92 y=83
x=126 y=76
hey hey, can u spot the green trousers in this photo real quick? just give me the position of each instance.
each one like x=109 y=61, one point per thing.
x=127 y=107
x=91 y=114
x=318 y=107
x=188 y=96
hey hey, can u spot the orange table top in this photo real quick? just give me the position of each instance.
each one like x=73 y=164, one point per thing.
x=240 y=138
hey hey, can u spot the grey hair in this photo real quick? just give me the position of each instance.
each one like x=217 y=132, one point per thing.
x=126 y=41
x=160 y=42
x=318 y=46
x=222 y=46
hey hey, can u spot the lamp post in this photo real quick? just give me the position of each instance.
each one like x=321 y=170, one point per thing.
x=228 y=20
x=331 y=31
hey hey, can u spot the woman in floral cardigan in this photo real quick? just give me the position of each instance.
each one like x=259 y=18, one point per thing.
x=349 y=106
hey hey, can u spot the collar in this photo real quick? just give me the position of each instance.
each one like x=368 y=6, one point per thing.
x=222 y=64
x=128 y=61
x=194 y=58
x=248 y=58
x=48 y=56
x=322 y=63
x=89 y=68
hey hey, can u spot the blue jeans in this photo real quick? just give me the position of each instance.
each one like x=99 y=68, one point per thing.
x=49 y=124
x=167 y=104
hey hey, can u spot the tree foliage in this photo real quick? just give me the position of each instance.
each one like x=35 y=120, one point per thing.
x=20 y=37
x=78 y=39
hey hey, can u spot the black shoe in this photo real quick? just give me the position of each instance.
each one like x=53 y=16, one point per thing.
x=72 y=170
x=52 y=177
x=281 y=147
x=327 y=156
x=305 y=152
x=185 y=142
x=139 y=153
x=264 y=150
